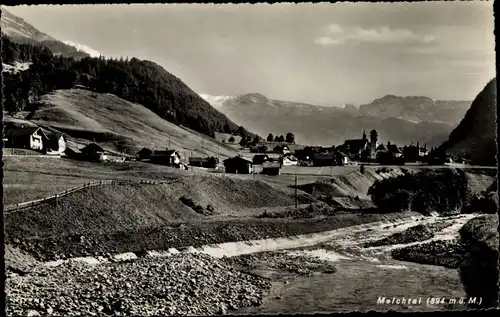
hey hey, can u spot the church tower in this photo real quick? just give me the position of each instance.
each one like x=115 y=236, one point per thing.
x=373 y=144
x=364 y=135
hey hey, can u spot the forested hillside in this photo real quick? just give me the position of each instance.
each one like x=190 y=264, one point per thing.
x=475 y=137
x=134 y=80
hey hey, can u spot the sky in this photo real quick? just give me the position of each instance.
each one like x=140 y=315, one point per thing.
x=327 y=54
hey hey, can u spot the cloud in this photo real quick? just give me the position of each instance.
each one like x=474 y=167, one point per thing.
x=336 y=34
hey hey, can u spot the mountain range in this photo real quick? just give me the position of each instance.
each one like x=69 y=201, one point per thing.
x=400 y=120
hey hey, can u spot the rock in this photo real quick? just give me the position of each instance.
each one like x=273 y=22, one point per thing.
x=33 y=313
x=479 y=270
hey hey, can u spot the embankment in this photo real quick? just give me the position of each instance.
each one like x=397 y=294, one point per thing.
x=479 y=270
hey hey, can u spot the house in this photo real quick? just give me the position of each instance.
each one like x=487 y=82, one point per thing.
x=73 y=152
x=167 y=157
x=144 y=154
x=238 y=165
x=281 y=149
x=271 y=168
x=106 y=157
x=56 y=144
x=25 y=137
x=355 y=148
x=411 y=153
x=207 y=162
x=92 y=152
x=196 y=161
x=259 y=159
x=394 y=150
x=289 y=160
x=341 y=158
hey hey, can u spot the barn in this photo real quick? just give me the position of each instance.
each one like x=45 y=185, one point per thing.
x=238 y=165
x=25 y=138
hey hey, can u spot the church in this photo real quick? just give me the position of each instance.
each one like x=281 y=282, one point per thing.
x=362 y=149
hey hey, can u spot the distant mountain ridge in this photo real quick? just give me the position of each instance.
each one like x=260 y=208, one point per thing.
x=475 y=137
x=416 y=108
x=323 y=125
x=24 y=33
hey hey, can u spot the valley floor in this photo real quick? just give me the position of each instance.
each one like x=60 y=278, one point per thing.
x=263 y=255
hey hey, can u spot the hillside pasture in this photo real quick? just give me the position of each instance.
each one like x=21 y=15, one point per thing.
x=119 y=125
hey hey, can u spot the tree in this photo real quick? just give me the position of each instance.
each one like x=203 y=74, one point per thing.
x=231 y=139
x=276 y=139
x=242 y=132
x=281 y=138
x=290 y=138
x=270 y=137
x=243 y=142
x=256 y=140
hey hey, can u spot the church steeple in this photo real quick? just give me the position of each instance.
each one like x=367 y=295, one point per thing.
x=364 y=135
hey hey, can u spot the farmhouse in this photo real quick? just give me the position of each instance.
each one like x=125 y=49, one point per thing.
x=271 y=168
x=394 y=150
x=167 y=157
x=289 y=160
x=92 y=152
x=25 y=138
x=238 y=165
x=341 y=158
x=144 y=154
x=259 y=159
x=207 y=162
x=56 y=144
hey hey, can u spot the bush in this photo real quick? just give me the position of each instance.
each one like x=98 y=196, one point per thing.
x=442 y=191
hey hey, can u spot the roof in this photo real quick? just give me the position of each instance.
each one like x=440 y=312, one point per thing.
x=393 y=148
x=381 y=147
x=236 y=158
x=93 y=148
x=290 y=157
x=355 y=144
x=164 y=153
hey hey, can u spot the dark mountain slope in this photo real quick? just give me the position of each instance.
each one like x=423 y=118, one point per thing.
x=136 y=81
x=475 y=137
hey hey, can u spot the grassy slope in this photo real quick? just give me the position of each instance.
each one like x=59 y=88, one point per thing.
x=28 y=178
x=118 y=124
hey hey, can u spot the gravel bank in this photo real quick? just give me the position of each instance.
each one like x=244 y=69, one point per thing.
x=444 y=253
x=417 y=233
x=188 y=284
x=296 y=264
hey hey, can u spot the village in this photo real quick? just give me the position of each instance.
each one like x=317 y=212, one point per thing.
x=267 y=157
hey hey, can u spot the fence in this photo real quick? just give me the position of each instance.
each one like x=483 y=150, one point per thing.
x=32 y=203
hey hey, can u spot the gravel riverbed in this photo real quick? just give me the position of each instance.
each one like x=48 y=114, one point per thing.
x=184 y=284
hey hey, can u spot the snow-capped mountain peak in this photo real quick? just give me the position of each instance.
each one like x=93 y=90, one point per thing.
x=215 y=101
x=83 y=48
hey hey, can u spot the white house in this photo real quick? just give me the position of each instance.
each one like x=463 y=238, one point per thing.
x=290 y=160
x=56 y=144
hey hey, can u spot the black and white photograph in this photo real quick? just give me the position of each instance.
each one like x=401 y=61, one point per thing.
x=248 y=159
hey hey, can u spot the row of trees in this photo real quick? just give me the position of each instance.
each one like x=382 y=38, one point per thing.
x=137 y=81
x=289 y=138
